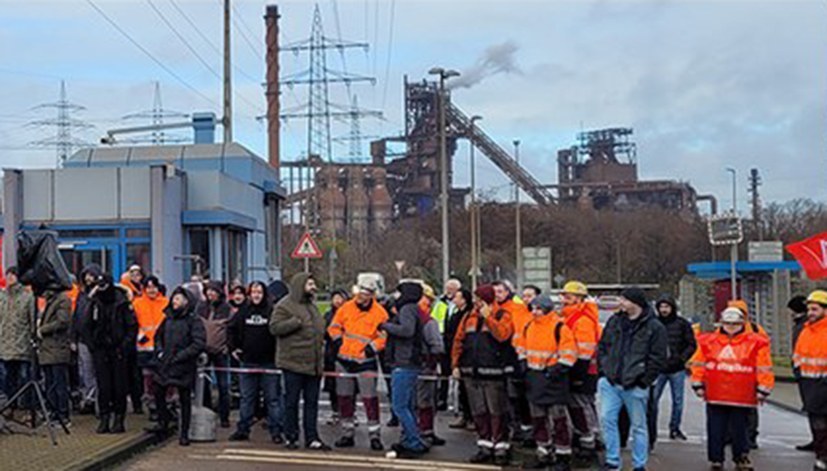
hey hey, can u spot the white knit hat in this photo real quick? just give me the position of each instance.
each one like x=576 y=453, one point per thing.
x=732 y=315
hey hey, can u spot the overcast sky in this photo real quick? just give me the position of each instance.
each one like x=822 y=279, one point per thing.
x=705 y=85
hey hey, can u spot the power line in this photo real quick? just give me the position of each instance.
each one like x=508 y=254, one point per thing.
x=149 y=54
x=208 y=41
x=390 y=53
x=195 y=53
x=254 y=46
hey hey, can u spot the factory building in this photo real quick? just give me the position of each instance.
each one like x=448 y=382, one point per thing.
x=177 y=210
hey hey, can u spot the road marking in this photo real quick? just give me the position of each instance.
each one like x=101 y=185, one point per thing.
x=338 y=459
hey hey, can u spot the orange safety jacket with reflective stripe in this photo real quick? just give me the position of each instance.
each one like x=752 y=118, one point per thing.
x=149 y=313
x=479 y=346
x=520 y=317
x=542 y=348
x=810 y=358
x=583 y=320
x=732 y=370
x=357 y=329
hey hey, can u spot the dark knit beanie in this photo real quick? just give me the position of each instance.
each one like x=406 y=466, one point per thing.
x=635 y=295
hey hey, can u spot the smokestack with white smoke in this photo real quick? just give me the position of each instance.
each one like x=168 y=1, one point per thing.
x=496 y=59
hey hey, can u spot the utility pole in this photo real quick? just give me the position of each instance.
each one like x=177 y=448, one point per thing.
x=472 y=210
x=228 y=91
x=754 y=183
x=443 y=167
x=733 y=256
x=517 y=222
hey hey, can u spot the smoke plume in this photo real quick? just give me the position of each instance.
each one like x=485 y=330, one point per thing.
x=498 y=58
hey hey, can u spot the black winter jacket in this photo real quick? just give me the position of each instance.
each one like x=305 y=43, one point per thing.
x=250 y=333
x=110 y=324
x=632 y=353
x=680 y=337
x=178 y=341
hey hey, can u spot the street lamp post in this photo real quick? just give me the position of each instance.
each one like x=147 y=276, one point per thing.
x=733 y=255
x=473 y=207
x=517 y=223
x=443 y=164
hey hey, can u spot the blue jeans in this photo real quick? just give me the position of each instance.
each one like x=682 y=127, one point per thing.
x=270 y=386
x=57 y=388
x=612 y=399
x=223 y=380
x=676 y=382
x=403 y=387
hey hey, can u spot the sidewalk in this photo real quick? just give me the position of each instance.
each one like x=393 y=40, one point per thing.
x=785 y=395
x=82 y=449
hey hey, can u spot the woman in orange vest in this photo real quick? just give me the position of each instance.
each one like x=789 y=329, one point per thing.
x=550 y=352
x=811 y=359
x=149 y=312
x=355 y=330
x=732 y=372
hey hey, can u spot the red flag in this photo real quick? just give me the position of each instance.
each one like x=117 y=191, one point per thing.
x=812 y=255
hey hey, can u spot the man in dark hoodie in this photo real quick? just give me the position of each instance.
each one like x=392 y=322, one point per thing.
x=215 y=312
x=86 y=367
x=111 y=328
x=255 y=347
x=300 y=330
x=681 y=343
x=404 y=354
x=630 y=356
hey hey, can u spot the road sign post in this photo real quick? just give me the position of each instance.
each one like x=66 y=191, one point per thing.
x=306 y=249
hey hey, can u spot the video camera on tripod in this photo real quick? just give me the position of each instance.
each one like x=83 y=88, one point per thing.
x=40 y=267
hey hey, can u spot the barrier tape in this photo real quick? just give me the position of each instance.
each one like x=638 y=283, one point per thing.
x=326 y=374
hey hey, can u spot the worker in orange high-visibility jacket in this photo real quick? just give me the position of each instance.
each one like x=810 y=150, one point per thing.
x=149 y=313
x=550 y=353
x=354 y=332
x=478 y=358
x=581 y=316
x=810 y=358
x=520 y=316
x=732 y=372
x=753 y=327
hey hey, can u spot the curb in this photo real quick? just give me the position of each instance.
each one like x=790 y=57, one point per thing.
x=786 y=407
x=120 y=453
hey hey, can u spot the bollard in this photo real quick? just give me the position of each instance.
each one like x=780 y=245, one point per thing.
x=204 y=421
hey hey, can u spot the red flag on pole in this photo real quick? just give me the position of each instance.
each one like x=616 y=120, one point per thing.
x=812 y=255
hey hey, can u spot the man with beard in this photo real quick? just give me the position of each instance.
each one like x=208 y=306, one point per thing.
x=215 y=313
x=111 y=328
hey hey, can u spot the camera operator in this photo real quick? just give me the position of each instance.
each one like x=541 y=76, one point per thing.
x=16 y=308
x=112 y=329
x=53 y=333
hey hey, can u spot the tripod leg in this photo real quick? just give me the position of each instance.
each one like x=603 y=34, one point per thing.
x=45 y=411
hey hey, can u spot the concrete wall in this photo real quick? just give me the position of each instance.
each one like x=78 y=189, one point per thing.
x=168 y=200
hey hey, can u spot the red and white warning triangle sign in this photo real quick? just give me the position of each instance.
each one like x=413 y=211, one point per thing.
x=307 y=248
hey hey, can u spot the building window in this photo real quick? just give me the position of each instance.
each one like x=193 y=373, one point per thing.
x=199 y=247
x=235 y=260
x=139 y=254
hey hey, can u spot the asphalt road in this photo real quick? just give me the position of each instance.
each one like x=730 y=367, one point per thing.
x=780 y=430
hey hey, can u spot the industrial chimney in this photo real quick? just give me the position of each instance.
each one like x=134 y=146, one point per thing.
x=271 y=19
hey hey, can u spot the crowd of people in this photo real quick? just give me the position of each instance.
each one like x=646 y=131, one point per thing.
x=530 y=370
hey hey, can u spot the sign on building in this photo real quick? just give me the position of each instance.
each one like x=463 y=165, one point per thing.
x=537 y=267
x=771 y=251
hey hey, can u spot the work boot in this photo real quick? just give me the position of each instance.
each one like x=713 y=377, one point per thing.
x=561 y=463
x=502 y=459
x=103 y=425
x=482 y=456
x=394 y=422
x=715 y=466
x=184 y=440
x=743 y=464
x=239 y=436
x=117 y=424
x=677 y=435
x=432 y=440
x=538 y=462
x=345 y=442
x=376 y=444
